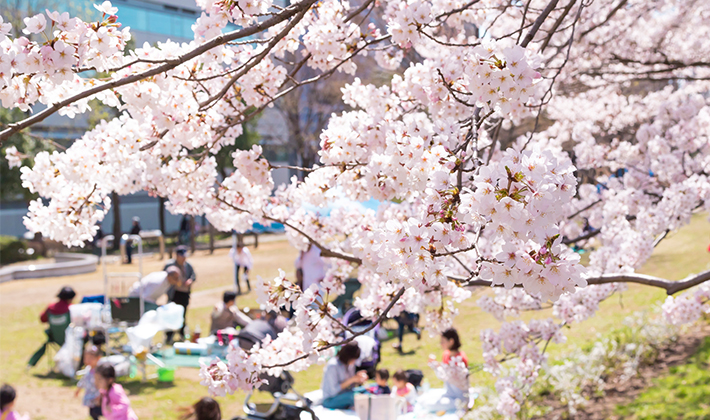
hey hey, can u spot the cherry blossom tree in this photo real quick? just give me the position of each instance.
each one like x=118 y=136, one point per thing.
x=618 y=154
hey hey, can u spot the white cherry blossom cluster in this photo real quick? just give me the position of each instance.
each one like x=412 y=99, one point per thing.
x=454 y=372
x=32 y=70
x=518 y=197
x=688 y=307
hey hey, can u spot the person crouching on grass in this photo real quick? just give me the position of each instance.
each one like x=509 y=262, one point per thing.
x=114 y=401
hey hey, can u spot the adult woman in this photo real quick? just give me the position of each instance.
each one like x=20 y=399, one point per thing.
x=339 y=378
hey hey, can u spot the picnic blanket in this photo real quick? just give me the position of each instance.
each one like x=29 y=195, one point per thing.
x=421 y=412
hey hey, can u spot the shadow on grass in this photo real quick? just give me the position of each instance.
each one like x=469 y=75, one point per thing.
x=55 y=376
x=138 y=387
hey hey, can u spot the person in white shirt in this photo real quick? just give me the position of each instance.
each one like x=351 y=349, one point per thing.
x=311 y=267
x=242 y=259
x=155 y=285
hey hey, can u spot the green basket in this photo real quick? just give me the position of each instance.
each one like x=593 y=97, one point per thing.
x=166 y=374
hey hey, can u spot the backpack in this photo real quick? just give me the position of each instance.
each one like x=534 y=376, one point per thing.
x=415 y=377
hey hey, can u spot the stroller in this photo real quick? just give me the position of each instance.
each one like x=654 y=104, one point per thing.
x=369 y=342
x=288 y=403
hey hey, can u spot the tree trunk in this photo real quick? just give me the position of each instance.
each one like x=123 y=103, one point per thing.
x=211 y=229
x=161 y=214
x=192 y=234
x=116 y=203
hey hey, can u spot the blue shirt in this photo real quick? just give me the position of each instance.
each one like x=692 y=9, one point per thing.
x=91 y=393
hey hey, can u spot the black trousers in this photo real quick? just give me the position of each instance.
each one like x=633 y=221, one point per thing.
x=182 y=299
x=95 y=412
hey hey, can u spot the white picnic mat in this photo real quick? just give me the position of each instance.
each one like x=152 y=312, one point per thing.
x=424 y=400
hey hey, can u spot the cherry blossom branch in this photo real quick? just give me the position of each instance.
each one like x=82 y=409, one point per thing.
x=253 y=61
x=583 y=209
x=379 y=319
x=170 y=64
x=538 y=22
x=671 y=287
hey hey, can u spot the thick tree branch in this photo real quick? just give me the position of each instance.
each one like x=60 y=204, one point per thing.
x=671 y=287
x=538 y=22
x=169 y=65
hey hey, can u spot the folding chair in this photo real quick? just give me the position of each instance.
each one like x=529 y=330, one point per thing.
x=56 y=334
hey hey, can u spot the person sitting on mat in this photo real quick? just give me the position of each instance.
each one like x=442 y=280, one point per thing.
x=226 y=314
x=155 y=285
x=340 y=378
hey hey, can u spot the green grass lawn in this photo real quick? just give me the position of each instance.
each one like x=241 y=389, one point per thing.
x=681 y=254
x=684 y=393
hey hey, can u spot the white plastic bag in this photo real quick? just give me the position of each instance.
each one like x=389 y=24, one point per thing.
x=170 y=316
x=68 y=357
x=86 y=314
x=165 y=318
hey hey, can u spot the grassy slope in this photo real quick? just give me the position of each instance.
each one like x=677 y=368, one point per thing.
x=682 y=253
x=682 y=394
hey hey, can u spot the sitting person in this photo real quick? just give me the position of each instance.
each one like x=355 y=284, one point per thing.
x=57 y=316
x=402 y=388
x=7 y=403
x=339 y=378
x=380 y=387
x=155 y=285
x=226 y=315
x=276 y=320
x=204 y=409
x=453 y=370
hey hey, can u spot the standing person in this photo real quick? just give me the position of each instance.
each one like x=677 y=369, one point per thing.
x=406 y=320
x=114 y=401
x=339 y=378
x=184 y=232
x=92 y=396
x=135 y=230
x=204 y=409
x=7 y=403
x=242 y=259
x=58 y=318
x=180 y=293
x=311 y=266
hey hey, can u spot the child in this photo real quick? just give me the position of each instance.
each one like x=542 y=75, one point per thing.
x=7 y=402
x=92 y=396
x=204 y=409
x=453 y=367
x=242 y=259
x=402 y=388
x=114 y=401
x=381 y=387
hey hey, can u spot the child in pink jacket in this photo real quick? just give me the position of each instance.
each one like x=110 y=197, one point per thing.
x=114 y=401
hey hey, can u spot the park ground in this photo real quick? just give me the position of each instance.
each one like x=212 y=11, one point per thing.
x=46 y=396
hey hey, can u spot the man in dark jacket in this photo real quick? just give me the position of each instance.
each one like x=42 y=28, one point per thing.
x=135 y=230
x=180 y=293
